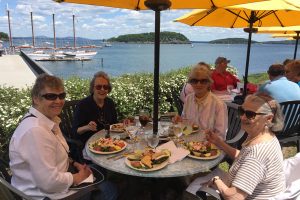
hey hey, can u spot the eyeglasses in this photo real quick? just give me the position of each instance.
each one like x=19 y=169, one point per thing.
x=249 y=114
x=99 y=87
x=53 y=96
x=202 y=81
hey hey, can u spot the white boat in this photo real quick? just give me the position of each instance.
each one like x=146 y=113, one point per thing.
x=81 y=55
x=108 y=45
x=39 y=55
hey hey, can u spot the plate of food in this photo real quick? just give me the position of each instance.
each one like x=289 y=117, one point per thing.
x=117 y=128
x=203 y=150
x=107 y=146
x=188 y=129
x=148 y=160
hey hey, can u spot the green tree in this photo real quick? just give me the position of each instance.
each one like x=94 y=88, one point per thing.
x=3 y=36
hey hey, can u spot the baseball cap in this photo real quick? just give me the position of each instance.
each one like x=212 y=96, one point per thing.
x=221 y=59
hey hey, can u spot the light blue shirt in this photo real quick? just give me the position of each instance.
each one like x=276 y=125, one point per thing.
x=281 y=89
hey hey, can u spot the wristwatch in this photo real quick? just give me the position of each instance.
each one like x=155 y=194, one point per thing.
x=215 y=178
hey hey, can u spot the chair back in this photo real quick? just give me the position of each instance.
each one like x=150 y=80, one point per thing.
x=234 y=134
x=67 y=116
x=291 y=129
x=7 y=191
x=177 y=101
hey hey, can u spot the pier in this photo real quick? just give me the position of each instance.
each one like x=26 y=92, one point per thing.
x=15 y=72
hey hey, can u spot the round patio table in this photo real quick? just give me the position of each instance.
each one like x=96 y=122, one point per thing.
x=185 y=167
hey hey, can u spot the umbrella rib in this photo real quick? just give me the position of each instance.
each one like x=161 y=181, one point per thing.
x=270 y=13
x=213 y=4
x=137 y=5
x=237 y=15
x=208 y=13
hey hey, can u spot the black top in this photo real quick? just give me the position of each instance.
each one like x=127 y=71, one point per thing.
x=87 y=110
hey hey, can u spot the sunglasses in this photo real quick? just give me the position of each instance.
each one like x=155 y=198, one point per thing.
x=53 y=96
x=249 y=114
x=202 y=81
x=99 y=87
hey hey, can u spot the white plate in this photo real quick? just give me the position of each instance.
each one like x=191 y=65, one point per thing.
x=206 y=158
x=154 y=168
x=117 y=130
x=105 y=152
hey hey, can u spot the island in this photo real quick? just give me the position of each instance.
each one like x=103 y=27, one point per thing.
x=165 y=38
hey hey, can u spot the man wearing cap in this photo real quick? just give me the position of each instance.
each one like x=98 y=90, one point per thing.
x=279 y=87
x=221 y=77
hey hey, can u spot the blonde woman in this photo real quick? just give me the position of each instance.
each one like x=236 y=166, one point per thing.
x=202 y=107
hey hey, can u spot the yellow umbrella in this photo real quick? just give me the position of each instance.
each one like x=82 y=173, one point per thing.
x=175 y=4
x=157 y=6
x=259 y=14
x=289 y=32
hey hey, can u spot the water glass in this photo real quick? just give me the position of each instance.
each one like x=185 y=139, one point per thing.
x=152 y=140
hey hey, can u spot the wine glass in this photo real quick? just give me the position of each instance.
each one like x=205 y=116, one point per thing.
x=144 y=119
x=229 y=89
x=152 y=140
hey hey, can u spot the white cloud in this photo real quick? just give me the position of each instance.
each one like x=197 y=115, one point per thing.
x=99 y=22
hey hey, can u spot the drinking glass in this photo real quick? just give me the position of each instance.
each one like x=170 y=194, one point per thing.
x=186 y=126
x=152 y=140
x=229 y=88
x=144 y=119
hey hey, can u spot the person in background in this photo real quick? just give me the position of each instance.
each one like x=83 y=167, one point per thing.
x=292 y=71
x=279 y=87
x=257 y=170
x=222 y=78
x=287 y=61
x=187 y=88
x=95 y=111
x=202 y=107
x=38 y=151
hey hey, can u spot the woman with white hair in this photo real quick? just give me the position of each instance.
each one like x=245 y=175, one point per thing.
x=257 y=170
x=202 y=107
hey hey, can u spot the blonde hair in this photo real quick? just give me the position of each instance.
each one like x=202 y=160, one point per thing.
x=203 y=69
x=268 y=105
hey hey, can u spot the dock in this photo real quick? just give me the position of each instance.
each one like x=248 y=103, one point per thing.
x=15 y=72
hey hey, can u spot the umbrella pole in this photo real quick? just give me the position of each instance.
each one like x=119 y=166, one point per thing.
x=156 y=71
x=252 y=18
x=296 y=45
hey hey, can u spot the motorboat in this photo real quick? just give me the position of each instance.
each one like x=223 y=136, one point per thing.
x=39 y=55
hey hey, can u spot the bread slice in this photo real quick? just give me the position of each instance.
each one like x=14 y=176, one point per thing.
x=146 y=160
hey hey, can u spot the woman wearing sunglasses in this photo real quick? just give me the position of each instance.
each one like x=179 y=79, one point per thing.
x=95 y=111
x=257 y=170
x=202 y=107
x=38 y=151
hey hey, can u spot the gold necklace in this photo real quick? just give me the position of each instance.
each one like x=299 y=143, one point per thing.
x=247 y=142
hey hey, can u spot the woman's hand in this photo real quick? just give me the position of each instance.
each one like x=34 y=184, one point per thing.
x=91 y=126
x=176 y=119
x=83 y=172
x=213 y=137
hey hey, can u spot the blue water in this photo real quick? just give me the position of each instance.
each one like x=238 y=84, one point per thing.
x=129 y=58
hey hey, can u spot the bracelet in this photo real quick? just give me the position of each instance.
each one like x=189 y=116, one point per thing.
x=215 y=178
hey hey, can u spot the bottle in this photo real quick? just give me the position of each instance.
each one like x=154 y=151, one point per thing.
x=107 y=130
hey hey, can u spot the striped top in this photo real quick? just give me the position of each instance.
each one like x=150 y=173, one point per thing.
x=258 y=170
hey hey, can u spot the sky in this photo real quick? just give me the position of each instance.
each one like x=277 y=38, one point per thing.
x=95 y=22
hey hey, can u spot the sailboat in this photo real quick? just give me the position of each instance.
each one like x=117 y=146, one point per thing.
x=79 y=55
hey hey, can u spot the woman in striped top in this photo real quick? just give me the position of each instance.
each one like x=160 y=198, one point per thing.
x=257 y=171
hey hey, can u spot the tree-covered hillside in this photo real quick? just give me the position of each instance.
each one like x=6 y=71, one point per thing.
x=3 y=36
x=231 y=41
x=165 y=37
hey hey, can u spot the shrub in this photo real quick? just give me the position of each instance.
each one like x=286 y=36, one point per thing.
x=131 y=92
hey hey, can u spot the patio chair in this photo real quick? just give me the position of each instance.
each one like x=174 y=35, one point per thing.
x=67 y=116
x=292 y=176
x=291 y=130
x=178 y=103
x=9 y=192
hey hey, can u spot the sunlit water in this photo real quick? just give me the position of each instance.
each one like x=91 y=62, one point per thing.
x=129 y=58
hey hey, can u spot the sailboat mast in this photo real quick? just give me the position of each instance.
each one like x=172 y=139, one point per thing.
x=32 y=30
x=53 y=19
x=9 y=28
x=74 y=34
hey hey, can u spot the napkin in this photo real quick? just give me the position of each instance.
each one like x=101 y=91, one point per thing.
x=89 y=179
x=177 y=154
